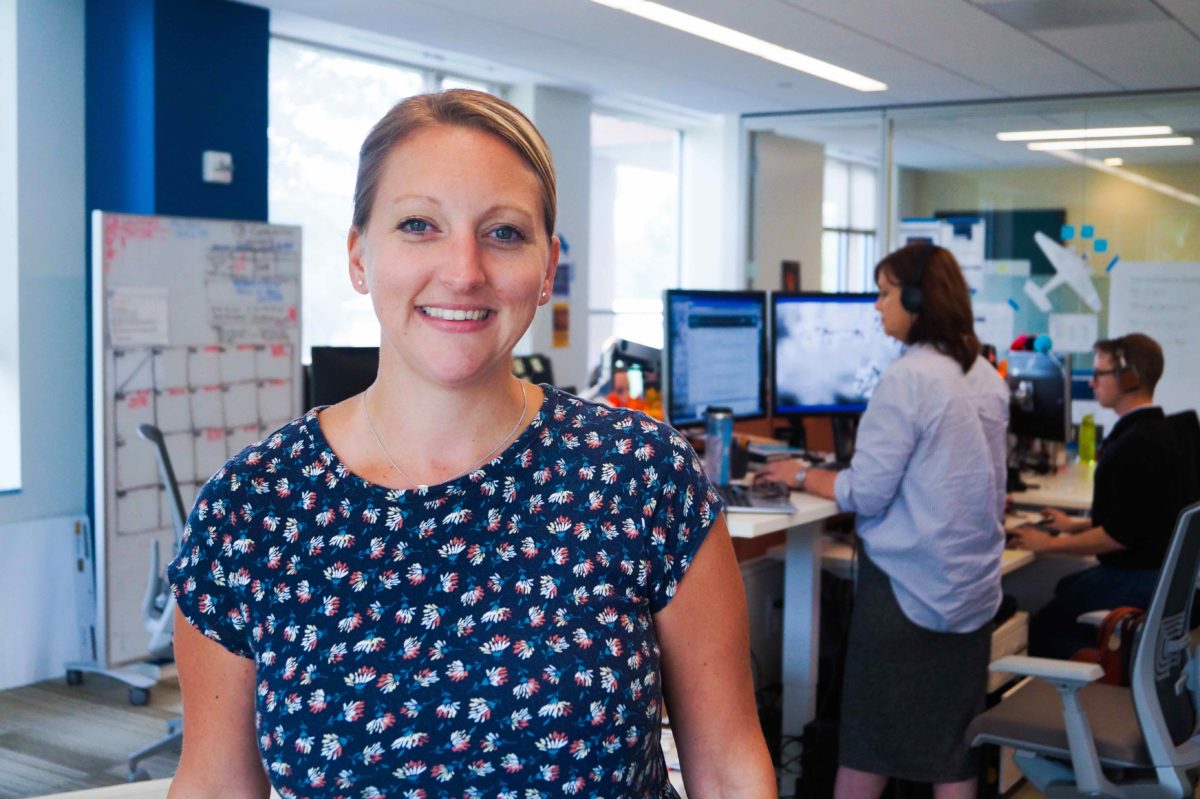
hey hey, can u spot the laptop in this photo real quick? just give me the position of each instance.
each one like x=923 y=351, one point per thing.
x=745 y=499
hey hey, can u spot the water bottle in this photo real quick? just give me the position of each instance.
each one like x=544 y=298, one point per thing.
x=718 y=441
x=1087 y=439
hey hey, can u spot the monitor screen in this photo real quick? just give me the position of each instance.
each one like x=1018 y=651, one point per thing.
x=715 y=354
x=1040 y=395
x=338 y=373
x=828 y=353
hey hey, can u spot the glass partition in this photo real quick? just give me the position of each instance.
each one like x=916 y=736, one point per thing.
x=1069 y=224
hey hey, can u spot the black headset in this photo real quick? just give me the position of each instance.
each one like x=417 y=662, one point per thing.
x=1128 y=378
x=911 y=293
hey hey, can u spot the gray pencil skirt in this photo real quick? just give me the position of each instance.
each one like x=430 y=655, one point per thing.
x=908 y=693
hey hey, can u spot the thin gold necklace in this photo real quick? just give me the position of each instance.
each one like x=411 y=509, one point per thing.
x=423 y=486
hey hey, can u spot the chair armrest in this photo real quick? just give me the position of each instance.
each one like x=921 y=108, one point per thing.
x=1063 y=673
x=1068 y=677
x=1092 y=618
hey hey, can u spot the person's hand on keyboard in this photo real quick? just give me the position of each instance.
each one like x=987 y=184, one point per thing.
x=783 y=471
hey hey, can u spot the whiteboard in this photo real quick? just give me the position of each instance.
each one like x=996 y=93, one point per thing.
x=1162 y=300
x=196 y=330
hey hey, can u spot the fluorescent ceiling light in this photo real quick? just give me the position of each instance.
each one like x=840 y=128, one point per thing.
x=1082 y=133
x=696 y=26
x=1132 y=177
x=1110 y=144
x=1114 y=161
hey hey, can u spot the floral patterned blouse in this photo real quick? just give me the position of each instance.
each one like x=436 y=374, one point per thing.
x=491 y=636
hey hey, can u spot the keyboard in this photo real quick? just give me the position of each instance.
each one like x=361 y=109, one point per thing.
x=734 y=496
x=741 y=498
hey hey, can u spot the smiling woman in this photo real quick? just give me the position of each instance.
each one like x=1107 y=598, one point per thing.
x=436 y=586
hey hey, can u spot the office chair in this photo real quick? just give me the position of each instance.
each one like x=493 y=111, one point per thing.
x=158 y=603
x=1186 y=427
x=1142 y=741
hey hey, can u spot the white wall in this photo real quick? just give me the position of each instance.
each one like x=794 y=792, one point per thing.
x=52 y=288
x=10 y=401
x=789 y=181
x=564 y=119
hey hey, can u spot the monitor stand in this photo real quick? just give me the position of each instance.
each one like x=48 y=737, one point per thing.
x=845 y=428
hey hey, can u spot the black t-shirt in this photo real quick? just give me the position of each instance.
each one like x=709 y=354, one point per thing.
x=1140 y=488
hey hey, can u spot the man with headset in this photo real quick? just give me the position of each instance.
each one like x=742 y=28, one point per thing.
x=1140 y=487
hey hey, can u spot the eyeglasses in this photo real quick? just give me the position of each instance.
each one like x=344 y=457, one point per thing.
x=1098 y=373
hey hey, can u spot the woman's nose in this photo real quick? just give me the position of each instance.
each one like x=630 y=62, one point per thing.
x=463 y=269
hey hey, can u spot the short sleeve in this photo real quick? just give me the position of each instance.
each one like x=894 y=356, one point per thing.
x=687 y=507
x=207 y=576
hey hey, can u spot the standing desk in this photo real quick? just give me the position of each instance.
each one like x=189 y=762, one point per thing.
x=1069 y=488
x=802 y=596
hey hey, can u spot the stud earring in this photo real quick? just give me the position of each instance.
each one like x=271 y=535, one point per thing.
x=543 y=294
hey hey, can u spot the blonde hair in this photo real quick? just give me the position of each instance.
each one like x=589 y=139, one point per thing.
x=464 y=108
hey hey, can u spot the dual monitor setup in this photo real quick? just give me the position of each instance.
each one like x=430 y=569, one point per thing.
x=785 y=354
x=808 y=354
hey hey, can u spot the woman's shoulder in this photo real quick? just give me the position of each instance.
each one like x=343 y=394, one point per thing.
x=289 y=449
x=597 y=422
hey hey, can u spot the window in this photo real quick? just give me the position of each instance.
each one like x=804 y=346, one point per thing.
x=634 y=228
x=322 y=103
x=848 y=246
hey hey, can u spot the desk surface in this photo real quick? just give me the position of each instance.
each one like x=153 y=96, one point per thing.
x=809 y=508
x=1070 y=489
x=836 y=557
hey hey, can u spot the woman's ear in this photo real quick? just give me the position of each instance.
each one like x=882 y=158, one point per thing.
x=358 y=272
x=551 y=270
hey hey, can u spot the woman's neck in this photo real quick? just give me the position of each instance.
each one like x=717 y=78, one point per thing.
x=434 y=432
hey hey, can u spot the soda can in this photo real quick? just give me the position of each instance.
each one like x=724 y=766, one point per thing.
x=718 y=443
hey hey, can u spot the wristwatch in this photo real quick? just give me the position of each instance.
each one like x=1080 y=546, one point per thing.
x=800 y=477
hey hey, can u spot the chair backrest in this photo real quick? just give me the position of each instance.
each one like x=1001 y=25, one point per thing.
x=1186 y=427
x=1164 y=703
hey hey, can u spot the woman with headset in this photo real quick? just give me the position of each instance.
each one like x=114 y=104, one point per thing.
x=927 y=483
x=1141 y=485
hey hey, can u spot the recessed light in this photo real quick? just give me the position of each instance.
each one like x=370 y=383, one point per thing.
x=697 y=26
x=1107 y=144
x=1082 y=133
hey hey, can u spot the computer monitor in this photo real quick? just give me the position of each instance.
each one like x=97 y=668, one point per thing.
x=715 y=354
x=828 y=352
x=338 y=373
x=1040 y=398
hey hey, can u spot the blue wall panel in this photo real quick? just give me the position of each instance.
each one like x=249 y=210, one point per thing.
x=119 y=75
x=210 y=93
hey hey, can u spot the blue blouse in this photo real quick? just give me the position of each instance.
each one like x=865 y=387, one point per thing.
x=927 y=482
x=491 y=636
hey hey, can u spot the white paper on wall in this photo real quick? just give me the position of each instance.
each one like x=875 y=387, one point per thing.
x=137 y=316
x=1074 y=332
x=994 y=323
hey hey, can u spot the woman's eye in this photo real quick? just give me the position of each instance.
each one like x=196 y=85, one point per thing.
x=414 y=226
x=507 y=233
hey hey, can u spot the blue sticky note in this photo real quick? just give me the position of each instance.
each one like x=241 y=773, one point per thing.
x=1067 y=233
x=1100 y=245
x=1013 y=303
x=1087 y=231
x=1112 y=263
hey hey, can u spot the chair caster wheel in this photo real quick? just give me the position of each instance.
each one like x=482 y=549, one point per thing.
x=74 y=676
x=139 y=696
